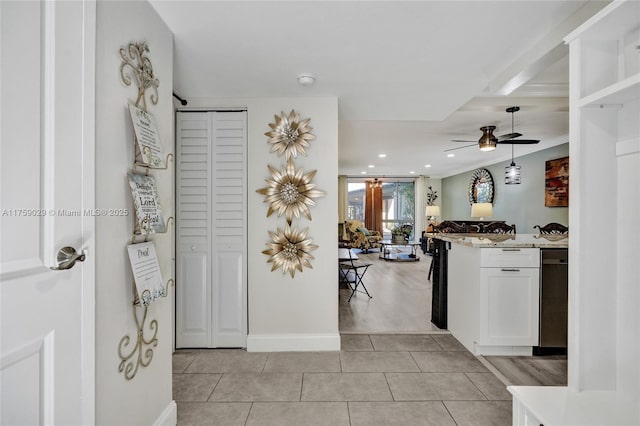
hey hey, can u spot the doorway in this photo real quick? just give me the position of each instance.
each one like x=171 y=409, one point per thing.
x=401 y=293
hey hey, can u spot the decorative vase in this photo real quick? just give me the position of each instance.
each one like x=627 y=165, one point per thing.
x=398 y=239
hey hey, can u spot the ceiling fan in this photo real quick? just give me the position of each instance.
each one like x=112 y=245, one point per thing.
x=488 y=141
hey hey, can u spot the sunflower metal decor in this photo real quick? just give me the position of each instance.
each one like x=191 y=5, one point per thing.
x=290 y=191
x=289 y=250
x=289 y=135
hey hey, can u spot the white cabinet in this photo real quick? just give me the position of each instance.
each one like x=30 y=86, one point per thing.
x=509 y=306
x=509 y=297
x=493 y=298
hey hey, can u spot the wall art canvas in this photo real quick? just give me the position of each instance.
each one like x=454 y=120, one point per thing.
x=556 y=186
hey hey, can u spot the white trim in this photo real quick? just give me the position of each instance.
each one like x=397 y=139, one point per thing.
x=44 y=348
x=169 y=416
x=48 y=132
x=293 y=342
x=628 y=146
x=23 y=267
x=88 y=297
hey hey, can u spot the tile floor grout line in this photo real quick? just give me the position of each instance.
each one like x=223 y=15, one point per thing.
x=476 y=386
x=449 y=412
x=248 y=414
x=214 y=387
x=393 y=398
x=301 y=386
x=191 y=362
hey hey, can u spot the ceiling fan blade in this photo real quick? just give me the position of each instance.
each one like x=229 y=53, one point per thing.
x=520 y=141
x=460 y=140
x=460 y=147
x=509 y=136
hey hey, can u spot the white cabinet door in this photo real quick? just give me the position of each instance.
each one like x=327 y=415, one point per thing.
x=509 y=306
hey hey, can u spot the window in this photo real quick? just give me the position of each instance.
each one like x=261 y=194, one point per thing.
x=355 y=207
x=398 y=206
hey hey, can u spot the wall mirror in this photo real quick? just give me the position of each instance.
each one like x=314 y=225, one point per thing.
x=481 y=187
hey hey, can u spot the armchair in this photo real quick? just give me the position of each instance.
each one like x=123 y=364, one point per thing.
x=360 y=237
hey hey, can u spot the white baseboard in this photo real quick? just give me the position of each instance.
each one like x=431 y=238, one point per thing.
x=503 y=350
x=169 y=416
x=293 y=342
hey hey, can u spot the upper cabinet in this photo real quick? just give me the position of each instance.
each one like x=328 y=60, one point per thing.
x=609 y=45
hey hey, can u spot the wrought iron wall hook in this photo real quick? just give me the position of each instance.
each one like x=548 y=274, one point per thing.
x=137 y=66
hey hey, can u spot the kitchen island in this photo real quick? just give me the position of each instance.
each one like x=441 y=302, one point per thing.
x=493 y=289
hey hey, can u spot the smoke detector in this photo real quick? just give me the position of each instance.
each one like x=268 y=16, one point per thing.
x=306 y=79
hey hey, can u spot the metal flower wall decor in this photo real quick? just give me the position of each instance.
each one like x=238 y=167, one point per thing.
x=289 y=249
x=290 y=191
x=289 y=135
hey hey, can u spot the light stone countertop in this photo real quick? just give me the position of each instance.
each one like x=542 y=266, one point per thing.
x=505 y=240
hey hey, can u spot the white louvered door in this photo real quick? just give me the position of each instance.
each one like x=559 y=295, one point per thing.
x=211 y=302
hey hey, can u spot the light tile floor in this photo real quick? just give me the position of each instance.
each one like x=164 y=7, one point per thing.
x=375 y=380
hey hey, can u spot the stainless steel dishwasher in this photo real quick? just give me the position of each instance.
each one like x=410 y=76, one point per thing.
x=554 y=279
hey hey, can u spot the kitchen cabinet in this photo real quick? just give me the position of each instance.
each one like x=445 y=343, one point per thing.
x=509 y=297
x=493 y=291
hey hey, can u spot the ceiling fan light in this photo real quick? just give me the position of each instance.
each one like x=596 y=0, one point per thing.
x=512 y=175
x=487 y=141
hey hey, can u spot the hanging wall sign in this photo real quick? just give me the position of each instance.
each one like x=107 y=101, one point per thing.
x=146 y=131
x=146 y=272
x=147 y=204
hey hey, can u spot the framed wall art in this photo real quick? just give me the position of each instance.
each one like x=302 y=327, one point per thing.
x=556 y=182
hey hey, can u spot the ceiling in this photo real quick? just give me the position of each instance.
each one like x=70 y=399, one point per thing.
x=409 y=76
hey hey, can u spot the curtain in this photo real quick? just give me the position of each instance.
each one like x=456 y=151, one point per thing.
x=343 y=203
x=373 y=207
x=420 y=206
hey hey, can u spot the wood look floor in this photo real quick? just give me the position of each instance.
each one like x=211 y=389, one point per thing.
x=401 y=300
x=531 y=371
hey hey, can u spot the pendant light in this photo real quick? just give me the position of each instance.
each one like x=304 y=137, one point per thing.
x=512 y=172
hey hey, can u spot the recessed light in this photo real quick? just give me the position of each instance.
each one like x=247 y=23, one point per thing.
x=412 y=172
x=363 y=173
x=451 y=155
x=371 y=166
x=382 y=155
x=427 y=165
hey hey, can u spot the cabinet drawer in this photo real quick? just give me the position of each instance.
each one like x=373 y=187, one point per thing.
x=509 y=257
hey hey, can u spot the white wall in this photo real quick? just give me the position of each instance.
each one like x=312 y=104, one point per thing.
x=521 y=204
x=143 y=400
x=285 y=313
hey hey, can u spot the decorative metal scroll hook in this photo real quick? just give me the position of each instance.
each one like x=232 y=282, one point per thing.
x=67 y=257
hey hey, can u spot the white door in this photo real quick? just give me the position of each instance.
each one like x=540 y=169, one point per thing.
x=211 y=299
x=46 y=159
